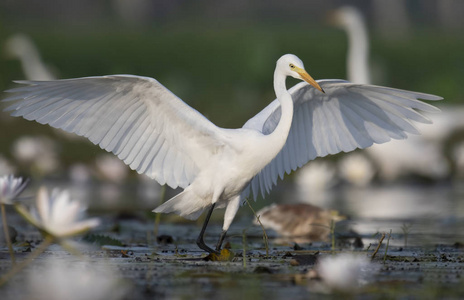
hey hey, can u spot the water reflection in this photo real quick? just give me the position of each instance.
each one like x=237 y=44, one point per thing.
x=416 y=214
x=397 y=202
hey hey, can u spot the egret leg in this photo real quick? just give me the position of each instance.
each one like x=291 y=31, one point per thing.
x=221 y=239
x=231 y=211
x=200 y=241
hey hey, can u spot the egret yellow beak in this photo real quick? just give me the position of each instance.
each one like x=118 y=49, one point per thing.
x=306 y=77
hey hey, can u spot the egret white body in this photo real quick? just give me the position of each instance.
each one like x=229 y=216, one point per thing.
x=157 y=134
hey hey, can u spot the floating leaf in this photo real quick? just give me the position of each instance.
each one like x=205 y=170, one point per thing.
x=225 y=255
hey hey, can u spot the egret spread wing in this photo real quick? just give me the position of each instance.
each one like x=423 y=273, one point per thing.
x=346 y=117
x=136 y=118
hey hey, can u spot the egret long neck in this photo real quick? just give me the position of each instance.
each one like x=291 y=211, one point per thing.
x=280 y=134
x=33 y=66
x=358 y=52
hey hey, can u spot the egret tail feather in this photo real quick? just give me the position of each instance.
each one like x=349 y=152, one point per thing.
x=185 y=204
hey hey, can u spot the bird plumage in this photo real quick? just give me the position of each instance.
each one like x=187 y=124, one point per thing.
x=136 y=118
x=156 y=133
x=348 y=116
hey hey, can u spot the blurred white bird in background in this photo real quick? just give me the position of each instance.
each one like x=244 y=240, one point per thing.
x=21 y=47
x=38 y=153
x=156 y=133
x=314 y=182
x=352 y=21
x=356 y=169
x=112 y=172
x=110 y=168
x=419 y=155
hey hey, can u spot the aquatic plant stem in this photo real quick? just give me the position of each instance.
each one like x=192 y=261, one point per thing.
x=7 y=235
x=378 y=246
x=244 y=241
x=18 y=267
x=386 y=248
x=332 y=233
x=265 y=238
x=406 y=228
x=68 y=247
x=158 y=215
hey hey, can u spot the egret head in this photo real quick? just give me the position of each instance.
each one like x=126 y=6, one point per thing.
x=18 y=46
x=291 y=65
x=346 y=16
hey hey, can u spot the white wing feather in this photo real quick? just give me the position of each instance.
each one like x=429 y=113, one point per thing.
x=136 y=118
x=346 y=117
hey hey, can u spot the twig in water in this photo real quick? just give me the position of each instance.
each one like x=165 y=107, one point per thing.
x=262 y=227
x=7 y=234
x=378 y=246
x=386 y=248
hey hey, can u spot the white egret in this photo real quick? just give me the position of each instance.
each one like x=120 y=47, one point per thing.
x=156 y=133
x=22 y=47
x=356 y=169
x=314 y=182
x=416 y=156
x=352 y=21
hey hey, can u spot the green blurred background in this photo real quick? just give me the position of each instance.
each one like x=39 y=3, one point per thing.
x=219 y=56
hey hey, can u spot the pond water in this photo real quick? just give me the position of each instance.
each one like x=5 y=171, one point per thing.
x=424 y=258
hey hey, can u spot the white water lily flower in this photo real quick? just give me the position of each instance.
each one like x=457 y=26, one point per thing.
x=57 y=215
x=345 y=272
x=64 y=278
x=10 y=188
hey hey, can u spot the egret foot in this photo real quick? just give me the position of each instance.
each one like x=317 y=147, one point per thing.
x=225 y=255
x=205 y=247
x=221 y=239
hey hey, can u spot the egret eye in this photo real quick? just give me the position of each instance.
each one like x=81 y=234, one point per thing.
x=292 y=66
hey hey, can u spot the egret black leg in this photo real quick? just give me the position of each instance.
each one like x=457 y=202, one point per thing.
x=221 y=239
x=200 y=241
